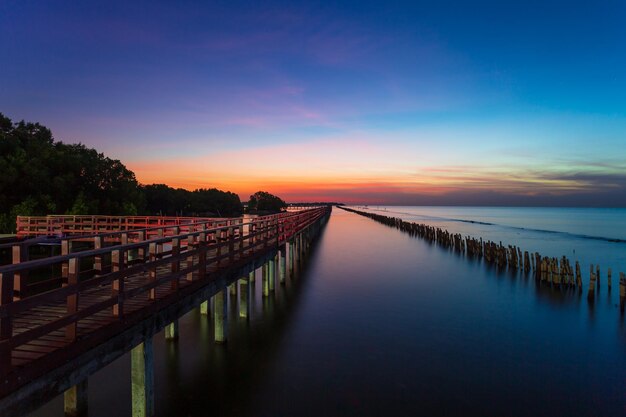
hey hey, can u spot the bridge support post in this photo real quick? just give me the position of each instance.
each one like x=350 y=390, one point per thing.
x=244 y=298
x=142 y=379
x=75 y=400
x=221 y=315
x=266 y=285
x=291 y=255
x=171 y=331
x=252 y=276
x=282 y=260
x=233 y=289
x=204 y=308
x=272 y=273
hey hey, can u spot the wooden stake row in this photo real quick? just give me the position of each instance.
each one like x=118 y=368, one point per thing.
x=556 y=272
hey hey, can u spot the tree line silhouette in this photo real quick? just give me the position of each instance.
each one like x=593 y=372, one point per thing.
x=41 y=176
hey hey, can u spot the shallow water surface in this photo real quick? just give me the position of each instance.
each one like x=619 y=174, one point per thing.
x=379 y=323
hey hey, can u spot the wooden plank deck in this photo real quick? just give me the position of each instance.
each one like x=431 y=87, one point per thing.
x=39 y=331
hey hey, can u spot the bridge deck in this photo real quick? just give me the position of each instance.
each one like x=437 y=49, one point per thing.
x=123 y=284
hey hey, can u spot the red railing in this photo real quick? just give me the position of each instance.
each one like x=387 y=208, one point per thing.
x=111 y=280
x=58 y=225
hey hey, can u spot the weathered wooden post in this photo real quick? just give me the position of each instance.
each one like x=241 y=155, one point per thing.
x=622 y=289
x=220 y=313
x=75 y=400
x=592 y=285
x=142 y=379
x=609 y=279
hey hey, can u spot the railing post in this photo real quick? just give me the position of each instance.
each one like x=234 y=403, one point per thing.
x=160 y=234
x=202 y=246
x=190 y=246
x=6 y=322
x=218 y=247
x=231 y=243
x=66 y=249
x=117 y=260
x=153 y=269
x=142 y=379
x=124 y=241
x=175 y=265
x=97 y=260
x=141 y=252
x=221 y=316
x=71 y=331
x=20 y=288
x=251 y=232
x=241 y=238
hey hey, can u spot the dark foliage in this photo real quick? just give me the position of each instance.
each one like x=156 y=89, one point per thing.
x=264 y=201
x=168 y=201
x=41 y=176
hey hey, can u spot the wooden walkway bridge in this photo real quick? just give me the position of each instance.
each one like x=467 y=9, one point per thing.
x=118 y=281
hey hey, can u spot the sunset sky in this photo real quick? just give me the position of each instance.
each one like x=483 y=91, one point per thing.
x=477 y=103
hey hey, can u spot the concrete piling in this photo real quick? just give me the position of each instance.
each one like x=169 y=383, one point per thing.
x=266 y=283
x=272 y=273
x=282 y=270
x=171 y=331
x=75 y=400
x=204 y=308
x=244 y=298
x=220 y=314
x=142 y=379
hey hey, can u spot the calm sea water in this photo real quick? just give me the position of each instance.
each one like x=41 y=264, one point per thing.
x=379 y=323
x=588 y=235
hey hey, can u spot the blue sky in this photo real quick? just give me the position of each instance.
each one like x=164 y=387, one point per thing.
x=404 y=103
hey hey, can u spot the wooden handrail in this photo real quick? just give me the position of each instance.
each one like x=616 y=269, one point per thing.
x=88 y=225
x=199 y=249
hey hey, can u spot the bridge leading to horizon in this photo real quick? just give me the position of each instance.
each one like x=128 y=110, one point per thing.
x=118 y=281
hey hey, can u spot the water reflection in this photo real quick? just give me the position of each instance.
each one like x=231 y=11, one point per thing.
x=381 y=323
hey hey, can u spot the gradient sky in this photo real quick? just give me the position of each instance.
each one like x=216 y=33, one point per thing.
x=477 y=103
